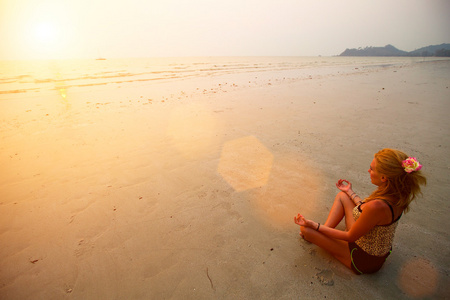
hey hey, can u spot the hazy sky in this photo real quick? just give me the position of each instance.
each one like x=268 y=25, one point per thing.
x=144 y=28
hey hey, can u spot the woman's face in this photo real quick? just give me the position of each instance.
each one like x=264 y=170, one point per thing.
x=376 y=178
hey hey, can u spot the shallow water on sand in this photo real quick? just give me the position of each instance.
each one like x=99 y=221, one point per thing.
x=38 y=77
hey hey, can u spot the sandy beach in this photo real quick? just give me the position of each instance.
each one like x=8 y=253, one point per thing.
x=187 y=189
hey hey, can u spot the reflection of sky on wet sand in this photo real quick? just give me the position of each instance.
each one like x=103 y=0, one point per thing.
x=418 y=278
x=192 y=128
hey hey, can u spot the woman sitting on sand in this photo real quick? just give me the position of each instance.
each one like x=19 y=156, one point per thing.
x=370 y=223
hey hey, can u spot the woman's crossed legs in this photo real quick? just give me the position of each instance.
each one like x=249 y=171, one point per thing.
x=342 y=207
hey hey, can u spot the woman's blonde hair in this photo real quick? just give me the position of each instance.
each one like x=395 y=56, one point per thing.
x=401 y=187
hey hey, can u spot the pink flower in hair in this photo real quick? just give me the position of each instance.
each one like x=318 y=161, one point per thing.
x=411 y=164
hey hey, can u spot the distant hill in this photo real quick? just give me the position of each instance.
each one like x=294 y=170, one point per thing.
x=436 y=50
x=389 y=50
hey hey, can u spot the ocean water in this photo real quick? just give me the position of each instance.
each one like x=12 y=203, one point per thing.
x=23 y=79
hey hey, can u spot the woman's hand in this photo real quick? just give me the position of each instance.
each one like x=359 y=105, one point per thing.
x=344 y=185
x=300 y=220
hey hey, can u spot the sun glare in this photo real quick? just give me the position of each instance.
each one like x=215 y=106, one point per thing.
x=48 y=30
x=46 y=39
x=45 y=32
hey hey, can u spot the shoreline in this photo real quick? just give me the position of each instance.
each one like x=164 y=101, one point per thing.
x=40 y=78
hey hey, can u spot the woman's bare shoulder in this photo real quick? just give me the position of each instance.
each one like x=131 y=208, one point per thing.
x=375 y=205
x=380 y=208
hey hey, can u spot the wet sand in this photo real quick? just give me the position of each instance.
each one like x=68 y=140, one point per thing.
x=187 y=189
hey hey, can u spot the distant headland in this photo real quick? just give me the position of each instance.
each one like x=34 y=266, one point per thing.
x=442 y=50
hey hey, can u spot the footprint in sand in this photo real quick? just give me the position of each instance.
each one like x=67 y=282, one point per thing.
x=325 y=277
x=83 y=248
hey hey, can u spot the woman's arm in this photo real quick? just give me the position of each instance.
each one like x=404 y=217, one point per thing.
x=356 y=199
x=366 y=221
x=346 y=187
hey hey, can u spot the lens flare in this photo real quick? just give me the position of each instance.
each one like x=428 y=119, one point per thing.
x=418 y=278
x=293 y=187
x=245 y=163
x=61 y=87
x=63 y=93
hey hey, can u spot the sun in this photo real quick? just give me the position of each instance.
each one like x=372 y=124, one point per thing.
x=46 y=39
x=45 y=33
x=46 y=29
